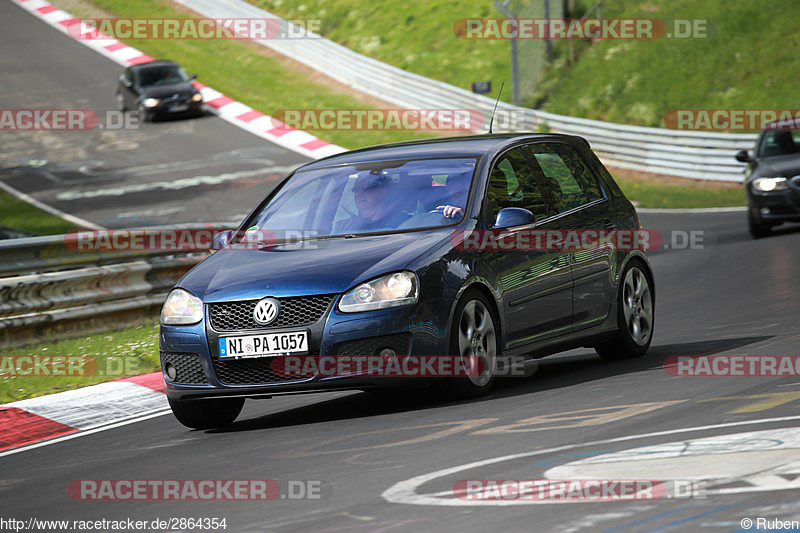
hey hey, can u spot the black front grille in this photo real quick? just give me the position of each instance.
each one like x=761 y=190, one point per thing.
x=189 y=371
x=256 y=371
x=296 y=311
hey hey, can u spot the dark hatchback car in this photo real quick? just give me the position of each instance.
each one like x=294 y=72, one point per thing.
x=158 y=88
x=772 y=182
x=379 y=272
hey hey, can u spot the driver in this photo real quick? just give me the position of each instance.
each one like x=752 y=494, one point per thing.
x=372 y=193
x=458 y=189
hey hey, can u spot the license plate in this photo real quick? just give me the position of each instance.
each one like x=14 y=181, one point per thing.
x=264 y=345
x=179 y=107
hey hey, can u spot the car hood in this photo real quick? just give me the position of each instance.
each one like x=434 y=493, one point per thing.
x=184 y=88
x=784 y=165
x=324 y=266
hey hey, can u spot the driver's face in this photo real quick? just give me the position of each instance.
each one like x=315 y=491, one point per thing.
x=371 y=202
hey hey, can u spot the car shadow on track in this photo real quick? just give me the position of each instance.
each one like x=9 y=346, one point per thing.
x=552 y=373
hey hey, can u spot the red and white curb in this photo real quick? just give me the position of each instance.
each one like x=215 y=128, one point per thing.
x=228 y=109
x=36 y=421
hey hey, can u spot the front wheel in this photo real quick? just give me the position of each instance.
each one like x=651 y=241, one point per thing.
x=635 y=316
x=206 y=414
x=757 y=228
x=475 y=333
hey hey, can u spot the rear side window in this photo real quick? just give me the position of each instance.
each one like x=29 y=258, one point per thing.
x=568 y=179
x=513 y=183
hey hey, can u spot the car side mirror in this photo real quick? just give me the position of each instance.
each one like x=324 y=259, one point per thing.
x=742 y=156
x=222 y=239
x=510 y=217
x=193 y=77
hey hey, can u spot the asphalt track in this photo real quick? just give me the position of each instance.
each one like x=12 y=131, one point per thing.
x=150 y=175
x=381 y=460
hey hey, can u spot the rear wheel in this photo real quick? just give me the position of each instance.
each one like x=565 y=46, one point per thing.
x=758 y=229
x=475 y=333
x=206 y=414
x=635 y=316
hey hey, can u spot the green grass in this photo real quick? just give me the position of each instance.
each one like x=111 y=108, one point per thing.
x=654 y=195
x=16 y=214
x=415 y=35
x=749 y=64
x=118 y=354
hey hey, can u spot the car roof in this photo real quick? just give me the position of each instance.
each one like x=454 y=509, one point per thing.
x=156 y=63
x=465 y=146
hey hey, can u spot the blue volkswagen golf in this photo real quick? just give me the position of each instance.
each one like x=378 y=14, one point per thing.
x=369 y=259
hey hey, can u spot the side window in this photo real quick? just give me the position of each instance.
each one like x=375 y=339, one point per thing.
x=513 y=183
x=569 y=180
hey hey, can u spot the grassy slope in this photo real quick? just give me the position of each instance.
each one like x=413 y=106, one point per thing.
x=749 y=64
x=21 y=215
x=134 y=348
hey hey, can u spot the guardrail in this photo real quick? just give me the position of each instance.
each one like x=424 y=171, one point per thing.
x=48 y=287
x=697 y=155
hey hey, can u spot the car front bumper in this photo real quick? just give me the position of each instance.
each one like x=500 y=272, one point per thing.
x=194 y=350
x=777 y=207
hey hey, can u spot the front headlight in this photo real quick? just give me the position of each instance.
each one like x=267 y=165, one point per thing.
x=150 y=102
x=181 y=309
x=770 y=184
x=197 y=97
x=391 y=290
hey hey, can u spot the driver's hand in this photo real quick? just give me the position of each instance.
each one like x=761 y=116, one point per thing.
x=449 y=211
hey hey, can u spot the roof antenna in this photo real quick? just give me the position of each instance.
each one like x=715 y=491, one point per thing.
x=491 y=120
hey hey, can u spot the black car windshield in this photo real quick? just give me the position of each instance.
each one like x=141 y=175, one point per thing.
x=163 y=75
x=369 y=198
x=779 y=142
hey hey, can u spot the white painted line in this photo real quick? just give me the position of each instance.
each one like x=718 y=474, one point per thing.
x=86 y=432
x=405 y=491
x=49 y=209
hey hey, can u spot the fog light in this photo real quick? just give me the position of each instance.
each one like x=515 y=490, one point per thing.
x=765 y=210
x=170 y=371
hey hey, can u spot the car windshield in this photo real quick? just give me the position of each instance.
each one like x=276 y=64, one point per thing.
x=779 y=142
x=164 y=75
x=369 y=198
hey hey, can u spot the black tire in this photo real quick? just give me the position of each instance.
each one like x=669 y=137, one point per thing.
x=623 y=345
x=757 y=228
x=206 y=414
x=463 y=388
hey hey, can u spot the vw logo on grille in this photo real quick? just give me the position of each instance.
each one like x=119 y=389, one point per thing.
x=266 y=311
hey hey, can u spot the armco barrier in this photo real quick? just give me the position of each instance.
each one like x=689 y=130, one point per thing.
x=47 y=288
x=697 y=155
